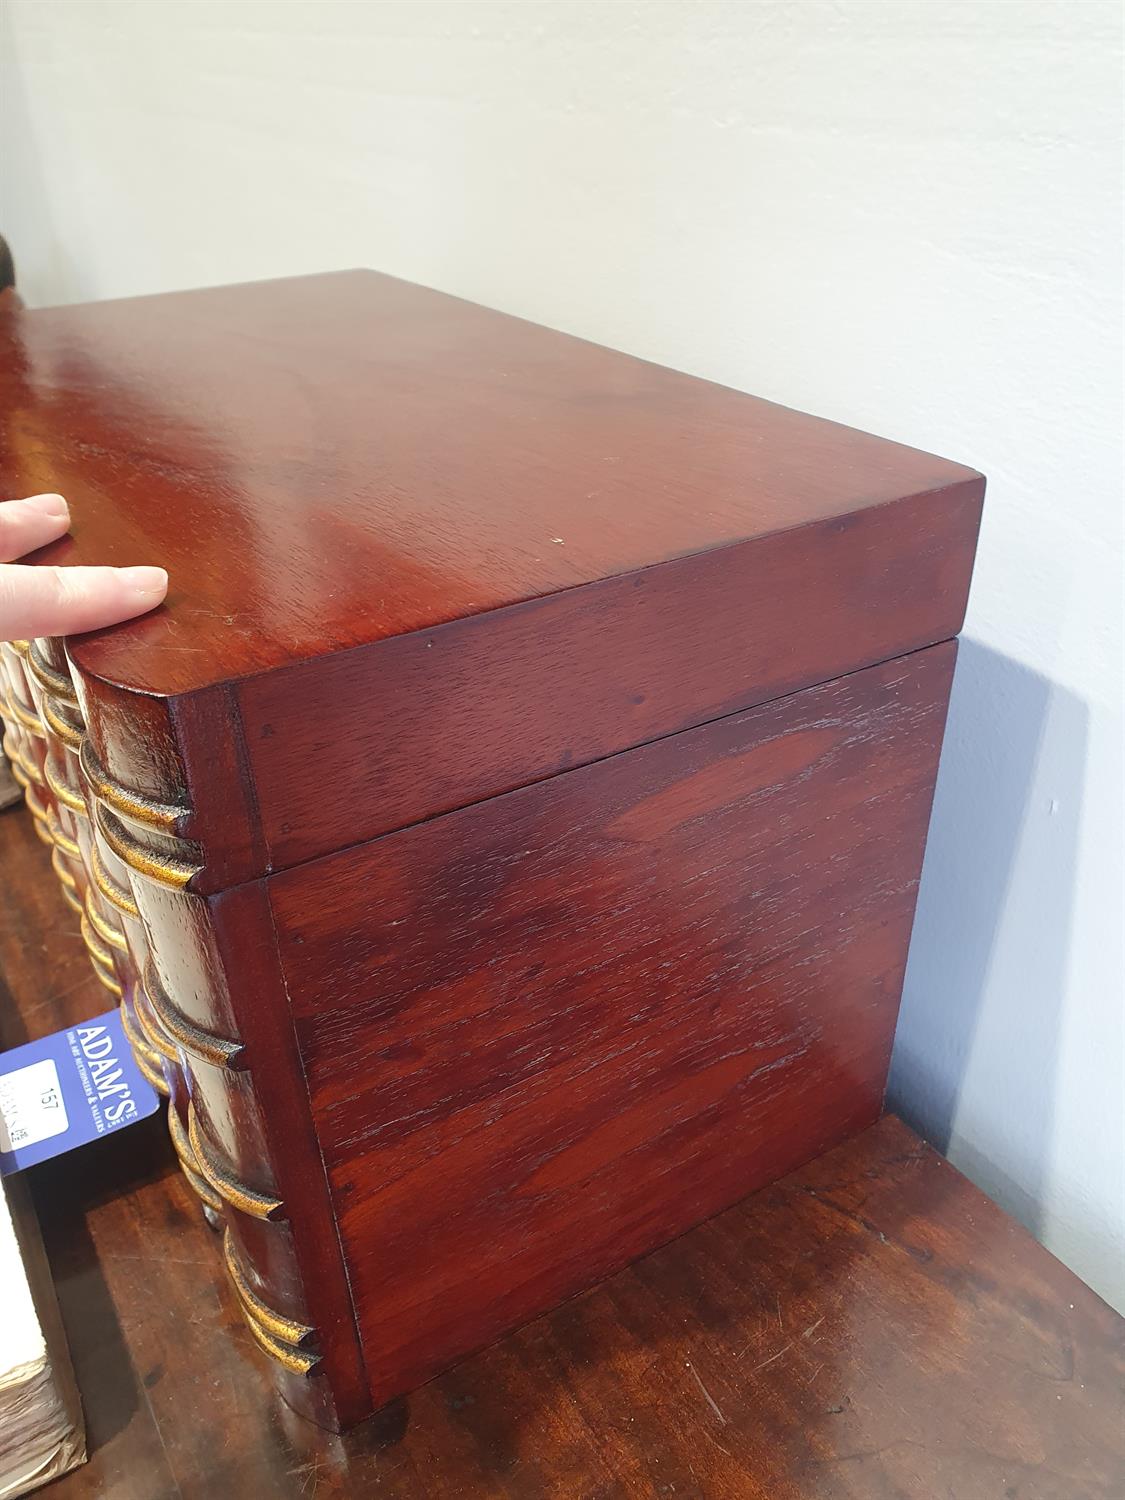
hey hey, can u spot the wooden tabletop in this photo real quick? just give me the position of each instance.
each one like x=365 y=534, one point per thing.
x=871 y=1326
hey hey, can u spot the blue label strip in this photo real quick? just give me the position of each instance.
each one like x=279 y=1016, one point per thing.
x=67 y=1089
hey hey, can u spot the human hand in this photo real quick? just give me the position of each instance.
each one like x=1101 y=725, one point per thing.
x=62 y=601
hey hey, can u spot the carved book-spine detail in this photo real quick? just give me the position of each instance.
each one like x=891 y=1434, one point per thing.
x=126 y=861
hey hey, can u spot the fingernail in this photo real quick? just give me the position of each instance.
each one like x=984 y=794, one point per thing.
x=146 y=580
x=48 y=505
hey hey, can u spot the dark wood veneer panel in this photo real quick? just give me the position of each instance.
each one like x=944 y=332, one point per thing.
x=546 y=1033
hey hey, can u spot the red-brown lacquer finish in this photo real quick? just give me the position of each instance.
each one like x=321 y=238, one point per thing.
x=504 y=840
x=334 y=460
x=543 y=551
x=546 y=1033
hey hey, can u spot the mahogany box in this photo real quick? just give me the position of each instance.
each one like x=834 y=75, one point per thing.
x=505 y=840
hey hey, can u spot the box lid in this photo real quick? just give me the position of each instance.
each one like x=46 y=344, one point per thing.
x=427 y=552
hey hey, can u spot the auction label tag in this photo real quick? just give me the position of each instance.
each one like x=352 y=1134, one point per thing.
x=67 y=1089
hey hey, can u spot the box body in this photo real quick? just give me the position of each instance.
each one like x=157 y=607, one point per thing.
x=547 y=1032
x=505 y=843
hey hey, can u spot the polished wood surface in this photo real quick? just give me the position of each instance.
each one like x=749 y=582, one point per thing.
x=355 y=745
x=546 y=1033
x=332 y=460
x=543 y=551
x=431 y=560
x=871 y=1326
x=649 y=985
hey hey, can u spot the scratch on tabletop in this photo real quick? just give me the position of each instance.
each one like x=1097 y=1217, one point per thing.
x=710 y=1400
x=306 y=1471
x=771 y=1359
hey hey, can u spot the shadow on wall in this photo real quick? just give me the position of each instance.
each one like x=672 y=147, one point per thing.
x=994 y=918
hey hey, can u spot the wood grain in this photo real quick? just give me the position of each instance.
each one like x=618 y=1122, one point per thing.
x=547 y=1033
x=870 y=1326
x=346 y=748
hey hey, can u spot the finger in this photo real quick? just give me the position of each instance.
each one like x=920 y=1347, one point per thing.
x=31 y=523
x=64 y=601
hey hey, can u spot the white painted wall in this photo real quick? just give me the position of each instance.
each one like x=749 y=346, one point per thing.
x=903 y=215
